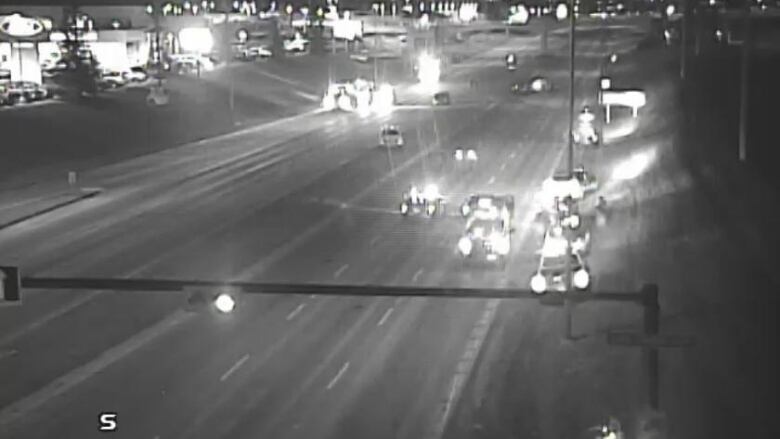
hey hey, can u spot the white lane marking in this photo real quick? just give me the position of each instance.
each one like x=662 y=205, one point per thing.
x=492 y=179
x=77 y=376
x=296 y=311
x=385 y=316
x=234 y=367
x=64 y=309
x=511 y=156
x=338 y=375
x=466 y=364
x=374 y=240
x=503 y=166
x=417 y=275
x=313 y=296
x=340 y=271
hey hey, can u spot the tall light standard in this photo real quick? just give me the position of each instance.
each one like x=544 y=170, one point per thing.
x=561 y=12
x=156 y=53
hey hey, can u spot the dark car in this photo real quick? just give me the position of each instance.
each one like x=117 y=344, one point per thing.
x=441 y=98
x=26 y=91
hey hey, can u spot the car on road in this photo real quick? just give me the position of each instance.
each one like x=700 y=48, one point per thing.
x=489 y=204
x=429 y=201
x=490 y=237
x=550 y=274
x=441 y=98
x=537 y=84
x=465 y=155
x=296 y=45
x=26 y=91
x=111 y=79
x=391 y=136
x=253 y=53
x=587 y=181
x=135 y=74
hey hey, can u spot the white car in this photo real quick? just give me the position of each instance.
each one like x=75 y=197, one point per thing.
x=391 y=136
x=256 y=52
x=135 y=74
x=111 y=79
x=296 y=45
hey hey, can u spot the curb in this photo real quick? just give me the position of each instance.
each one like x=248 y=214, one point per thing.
x=86 y=194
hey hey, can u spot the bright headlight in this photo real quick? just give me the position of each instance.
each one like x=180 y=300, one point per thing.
x=465 y=246
x=465 y=209
x=459 y=154
x=471 y=155
x=501 y=245
x=581 y=279
x=431 y=192
x=225 y=303
x=538 y=284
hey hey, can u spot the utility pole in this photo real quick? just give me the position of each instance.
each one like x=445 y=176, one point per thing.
x=747 y=42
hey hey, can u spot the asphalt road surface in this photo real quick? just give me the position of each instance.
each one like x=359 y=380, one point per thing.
x=313 y=198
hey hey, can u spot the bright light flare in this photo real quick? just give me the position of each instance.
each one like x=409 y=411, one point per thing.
x=634 y=166
x=429 y=70
x=581 y=279
x=431 y=192
x=225 y=303
x=465 y=246
x=501 y=244
x=196 y=39
x=538 y=284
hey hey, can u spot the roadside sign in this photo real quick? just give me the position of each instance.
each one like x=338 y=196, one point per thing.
x=653 y=341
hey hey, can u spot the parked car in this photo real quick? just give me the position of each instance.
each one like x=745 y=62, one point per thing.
x=111 y=79
x=135 y=74
x=26 y=91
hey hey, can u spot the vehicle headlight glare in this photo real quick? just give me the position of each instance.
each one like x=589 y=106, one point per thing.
x=501 y=245
x=459 y=154
x=471 y=155
x=581 y=279
x=465 y=246
x=538 y=284
x=225 y=303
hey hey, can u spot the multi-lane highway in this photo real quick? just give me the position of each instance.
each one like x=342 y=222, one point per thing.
x=312 y=198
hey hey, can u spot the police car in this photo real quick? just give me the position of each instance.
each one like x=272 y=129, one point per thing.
x=550 y=275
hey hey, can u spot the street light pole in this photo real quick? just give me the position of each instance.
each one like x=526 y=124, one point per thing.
x=570 y=149
x=570 y=158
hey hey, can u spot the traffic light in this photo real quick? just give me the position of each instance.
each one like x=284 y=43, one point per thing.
x=10 y=285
